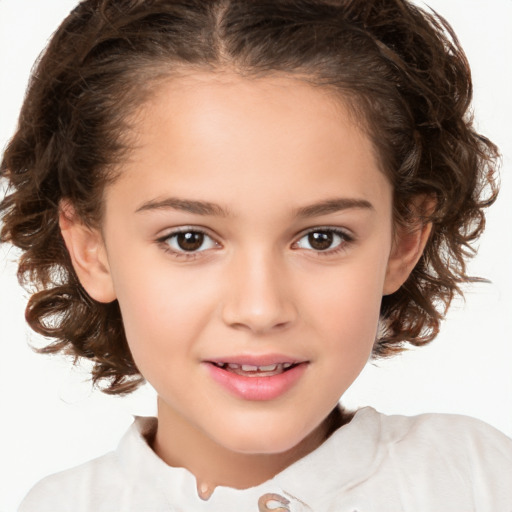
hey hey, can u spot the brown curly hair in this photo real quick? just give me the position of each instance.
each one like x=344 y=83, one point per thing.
x=400 y=68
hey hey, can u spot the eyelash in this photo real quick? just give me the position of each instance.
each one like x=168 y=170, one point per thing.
x=186 y=255
x=345 y=239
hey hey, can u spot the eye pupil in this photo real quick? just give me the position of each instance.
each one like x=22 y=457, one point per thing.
x=320 y=240
x=190 y=241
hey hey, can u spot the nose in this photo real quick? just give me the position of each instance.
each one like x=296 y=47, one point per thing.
x=259 y=297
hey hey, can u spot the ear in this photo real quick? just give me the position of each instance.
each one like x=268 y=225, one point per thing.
x=88 y=254
x=408 y=245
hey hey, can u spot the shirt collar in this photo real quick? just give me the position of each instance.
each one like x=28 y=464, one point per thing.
x=347 y=457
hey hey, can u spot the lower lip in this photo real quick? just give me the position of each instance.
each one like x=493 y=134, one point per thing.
x=257 y=388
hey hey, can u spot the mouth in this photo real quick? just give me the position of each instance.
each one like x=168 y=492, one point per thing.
x=250 y=370
x=257 y=378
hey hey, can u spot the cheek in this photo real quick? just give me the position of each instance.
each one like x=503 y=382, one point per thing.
x=344 y=312
x=164 y=309
x=352 y=328
x=347 y=298
x=349 y=333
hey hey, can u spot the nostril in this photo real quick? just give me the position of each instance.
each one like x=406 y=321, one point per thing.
x=273 y=503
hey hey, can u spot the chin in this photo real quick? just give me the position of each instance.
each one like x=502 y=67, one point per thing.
x=257 y=447
x=268 y=441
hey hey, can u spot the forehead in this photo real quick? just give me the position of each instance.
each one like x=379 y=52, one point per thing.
x=207 y=134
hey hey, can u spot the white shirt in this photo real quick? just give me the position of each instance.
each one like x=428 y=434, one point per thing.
x=375 y=463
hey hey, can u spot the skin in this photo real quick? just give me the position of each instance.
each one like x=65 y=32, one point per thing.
x=260 y=153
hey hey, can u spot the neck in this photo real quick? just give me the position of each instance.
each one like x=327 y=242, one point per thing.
x=181 y=445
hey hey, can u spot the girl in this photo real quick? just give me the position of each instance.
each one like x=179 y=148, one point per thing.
x=240 y=202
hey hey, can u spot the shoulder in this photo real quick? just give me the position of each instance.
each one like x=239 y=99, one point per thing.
x=423 y=435
x=67 y=488
x=102 y=484
x=422 y=463
x=377 y=462
x=451 y=452
x=449 y=431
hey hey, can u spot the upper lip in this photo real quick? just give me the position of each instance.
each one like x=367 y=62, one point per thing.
x=256 y=360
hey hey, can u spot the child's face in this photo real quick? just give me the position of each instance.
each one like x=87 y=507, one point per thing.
x=283 y=255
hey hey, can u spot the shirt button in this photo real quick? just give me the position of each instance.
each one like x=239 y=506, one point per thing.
x=273 y=503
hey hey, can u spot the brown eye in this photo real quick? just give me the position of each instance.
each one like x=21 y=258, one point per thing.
x=320 y=240
x=323 y=240
x=191 y=241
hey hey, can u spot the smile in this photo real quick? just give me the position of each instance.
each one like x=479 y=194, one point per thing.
x=249 y=370
x=267 y=380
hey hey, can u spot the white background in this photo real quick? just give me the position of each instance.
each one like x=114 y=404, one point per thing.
x=51 y=420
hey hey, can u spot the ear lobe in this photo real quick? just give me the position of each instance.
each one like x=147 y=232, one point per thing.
x=407 y=249
x=88 y=255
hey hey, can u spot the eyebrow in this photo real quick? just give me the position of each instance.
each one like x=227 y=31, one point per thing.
x=333 y=206
x=186 y=205
x=207 y=208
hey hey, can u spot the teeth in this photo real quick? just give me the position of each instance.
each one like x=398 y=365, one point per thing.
x=250 y=368
x=268 y=368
